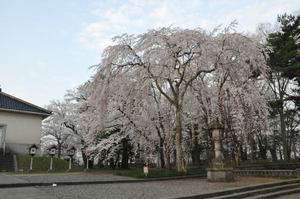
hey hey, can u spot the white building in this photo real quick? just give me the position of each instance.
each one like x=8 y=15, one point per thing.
x=20 y=124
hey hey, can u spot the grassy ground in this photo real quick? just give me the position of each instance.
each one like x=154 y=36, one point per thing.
x=42 y=164
x=158 y=173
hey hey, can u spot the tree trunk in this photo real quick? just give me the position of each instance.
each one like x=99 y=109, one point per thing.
x=180 y=164
x=273 y=153
x=168 y=161
x=243 y=151
x=167 y=158
x=237 y=155
x=167 y=149
x=253 y=149
x=263 y=153
x=283 y=134
x=294 y=151
x=263 y=148
x=161 y=149
x=195 y=147
x=196 y=153
x=83 y=157
x=59 y=149
x=280 y=153
x=196 y=157
x=112 y=164
x=161 y=156
x=125 y=154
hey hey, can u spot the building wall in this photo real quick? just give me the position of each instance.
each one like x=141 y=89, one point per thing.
x=22 y=130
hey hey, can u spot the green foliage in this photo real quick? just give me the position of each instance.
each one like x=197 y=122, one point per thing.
x=284 y=52
x=160 y=173
x=284 y=49
x=42 y=164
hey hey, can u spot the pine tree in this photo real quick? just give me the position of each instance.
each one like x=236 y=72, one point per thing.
x=284 y=61
x=284 y=51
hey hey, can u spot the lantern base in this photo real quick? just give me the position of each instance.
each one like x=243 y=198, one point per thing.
x=220 y=175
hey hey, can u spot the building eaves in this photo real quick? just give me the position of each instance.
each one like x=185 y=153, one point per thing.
x=14 y=104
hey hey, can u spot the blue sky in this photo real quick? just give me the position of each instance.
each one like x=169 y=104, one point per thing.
x=47 y=46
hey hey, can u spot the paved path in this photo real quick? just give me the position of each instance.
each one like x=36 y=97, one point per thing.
x=24 y=193
x=20 y=193
x=145 y=190
x=293 y=196
x=8 y=179
x=71 y=177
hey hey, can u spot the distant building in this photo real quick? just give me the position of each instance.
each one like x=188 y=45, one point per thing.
x=20 y=124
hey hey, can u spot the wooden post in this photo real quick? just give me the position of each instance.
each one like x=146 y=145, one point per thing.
x=31 y=162
x=51 y=164
x=70 y=163
x=87 y=163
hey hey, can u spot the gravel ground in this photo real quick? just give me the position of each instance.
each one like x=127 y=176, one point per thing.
x=163 y=189
x=70 y=177
x=293 y=196
x=24 y=193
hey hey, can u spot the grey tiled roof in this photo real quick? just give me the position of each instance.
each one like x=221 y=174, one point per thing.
x=8 y=102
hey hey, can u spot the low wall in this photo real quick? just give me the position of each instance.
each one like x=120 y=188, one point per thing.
x=269 y=173
x=270 y=165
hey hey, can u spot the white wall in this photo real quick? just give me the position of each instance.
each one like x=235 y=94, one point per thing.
x=23 y=129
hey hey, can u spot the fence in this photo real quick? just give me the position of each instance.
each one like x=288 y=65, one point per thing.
x=268 y=166
x=269 y=173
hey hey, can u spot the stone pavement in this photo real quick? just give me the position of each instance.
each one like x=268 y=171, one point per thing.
x=71 y=177
x=292 y=196
x=24 y=193
x=8 y=179
x=145 y=190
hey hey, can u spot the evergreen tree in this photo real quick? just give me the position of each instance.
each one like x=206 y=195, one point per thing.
x=284 y=61
x=284 y=51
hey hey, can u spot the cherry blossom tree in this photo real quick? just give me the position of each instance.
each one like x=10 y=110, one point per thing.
x=172 y=59
x=54 y=125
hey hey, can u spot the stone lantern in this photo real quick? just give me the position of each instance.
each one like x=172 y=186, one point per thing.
x=32 y=151
x=52 y=152
x=217 y=132
x=71 y=152
x=218 y=172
